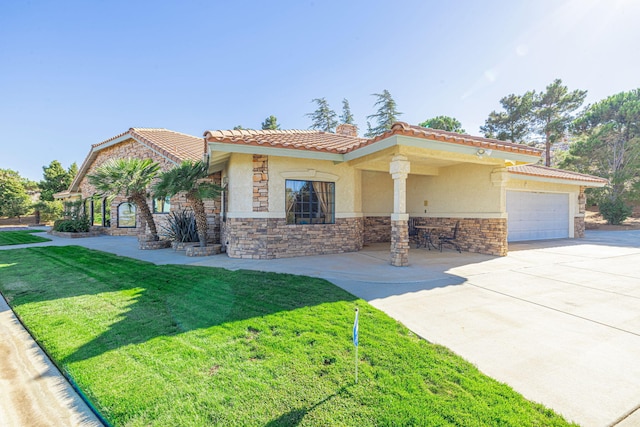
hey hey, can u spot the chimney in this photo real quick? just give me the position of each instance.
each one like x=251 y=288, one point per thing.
x=347 y=129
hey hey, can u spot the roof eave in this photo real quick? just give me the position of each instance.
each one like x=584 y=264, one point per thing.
x=451 y=147
x=222 y=147
x=583 y=183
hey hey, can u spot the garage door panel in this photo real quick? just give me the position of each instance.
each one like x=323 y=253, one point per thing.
x=536 y=216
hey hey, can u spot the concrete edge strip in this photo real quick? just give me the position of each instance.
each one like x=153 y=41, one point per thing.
x=69 y=381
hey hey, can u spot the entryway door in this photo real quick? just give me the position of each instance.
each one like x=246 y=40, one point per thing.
x=537 y=216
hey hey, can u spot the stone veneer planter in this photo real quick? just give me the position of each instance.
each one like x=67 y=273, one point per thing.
x=70 y=235
x=204 y=251
x=145 y=243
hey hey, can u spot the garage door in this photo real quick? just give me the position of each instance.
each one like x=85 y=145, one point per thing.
x=537 y=216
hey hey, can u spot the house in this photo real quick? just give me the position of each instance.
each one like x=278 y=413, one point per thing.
x=295 y=193
x=117 y=216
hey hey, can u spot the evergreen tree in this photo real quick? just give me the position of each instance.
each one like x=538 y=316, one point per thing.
x=270 y=123
x=515 y=122
x=346 y=116
x=323 y=118
x=14 y=200
x=386 y=115
x=552 y=113
x=608 y=145
x=447 y=123
x=56 y=179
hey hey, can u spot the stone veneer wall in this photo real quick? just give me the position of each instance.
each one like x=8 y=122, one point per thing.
x=399 y=243
x=481 y=235
x=578 y=221
x=377 y=229
x=268 y=238
x=260 y=183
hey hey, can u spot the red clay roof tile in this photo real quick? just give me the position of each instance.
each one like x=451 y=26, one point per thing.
x=341 y=144
x=547 y=172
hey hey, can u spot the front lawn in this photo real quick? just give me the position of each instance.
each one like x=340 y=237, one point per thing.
x=194 y=346
x=21 y=237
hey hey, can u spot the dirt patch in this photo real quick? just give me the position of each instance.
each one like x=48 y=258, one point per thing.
x=594 y=221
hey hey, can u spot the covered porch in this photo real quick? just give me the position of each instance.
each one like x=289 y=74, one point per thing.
x=437 y=184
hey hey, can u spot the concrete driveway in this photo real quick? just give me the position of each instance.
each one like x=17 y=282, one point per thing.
x=559 y=321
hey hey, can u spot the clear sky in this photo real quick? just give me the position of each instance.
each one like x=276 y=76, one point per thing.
x=74 y=73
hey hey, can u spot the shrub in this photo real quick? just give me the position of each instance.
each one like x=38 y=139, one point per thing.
x=49 y=210
x=181 y=227
x=79 y=225
x=615 y=211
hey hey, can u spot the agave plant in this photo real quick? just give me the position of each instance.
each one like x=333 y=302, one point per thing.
x=181 y=226
x=189 y=178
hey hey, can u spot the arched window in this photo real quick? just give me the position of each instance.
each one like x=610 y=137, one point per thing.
x=126 y=215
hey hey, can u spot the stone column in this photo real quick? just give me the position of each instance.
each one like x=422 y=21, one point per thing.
x=578 y=220
x=399 y=169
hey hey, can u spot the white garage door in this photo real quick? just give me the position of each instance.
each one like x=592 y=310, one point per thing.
x=537 y=216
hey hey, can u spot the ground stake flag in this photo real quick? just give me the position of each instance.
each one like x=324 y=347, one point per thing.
x=355 y=341
x=355 y=330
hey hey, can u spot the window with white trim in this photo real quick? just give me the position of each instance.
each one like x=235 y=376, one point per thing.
x=309 y=202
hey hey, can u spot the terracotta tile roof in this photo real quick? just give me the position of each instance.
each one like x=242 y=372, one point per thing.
x=546 y=172
x=401 y=128
x=292 y=139
x=174 y=145
x=341 y=144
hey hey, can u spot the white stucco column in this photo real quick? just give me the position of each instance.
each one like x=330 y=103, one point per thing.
x=399 y=169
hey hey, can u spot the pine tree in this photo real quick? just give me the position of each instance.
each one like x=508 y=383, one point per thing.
x=323 y=118
x=450 y=124
x=270 y=123
x=386 y=115
x=346 y=116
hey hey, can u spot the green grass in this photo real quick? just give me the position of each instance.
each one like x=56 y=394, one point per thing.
x=21 y=237
x=194 y=346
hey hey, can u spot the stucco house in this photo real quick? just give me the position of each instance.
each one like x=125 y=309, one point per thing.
x=293 y=193
x=116 y=216
x=304 y=192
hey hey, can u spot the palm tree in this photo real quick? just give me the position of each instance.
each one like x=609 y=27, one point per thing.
x=129 y=177
x=189 y=178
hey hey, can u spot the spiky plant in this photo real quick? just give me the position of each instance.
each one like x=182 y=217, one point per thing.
x=130 y=178
x=189 y=177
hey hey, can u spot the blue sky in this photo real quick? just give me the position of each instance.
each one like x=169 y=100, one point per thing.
x=74 y=73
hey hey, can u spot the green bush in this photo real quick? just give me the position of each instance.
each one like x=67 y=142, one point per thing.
x=49 y=210
x=79 y=225
x=181 y=227
x=615 y=211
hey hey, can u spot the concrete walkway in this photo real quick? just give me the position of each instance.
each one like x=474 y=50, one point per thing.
x=559 y=321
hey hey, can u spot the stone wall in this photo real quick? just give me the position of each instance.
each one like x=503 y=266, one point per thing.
x=377 y=229
x=268 y=238
x=578 y=221
x=260 y=183
x=399 y=243
x=481 y=235
x=132 y=148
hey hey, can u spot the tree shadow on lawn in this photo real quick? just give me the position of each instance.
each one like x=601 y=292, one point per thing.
x=133 y=301
x=295 y=416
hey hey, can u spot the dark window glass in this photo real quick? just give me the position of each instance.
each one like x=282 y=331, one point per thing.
x=310 y=202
